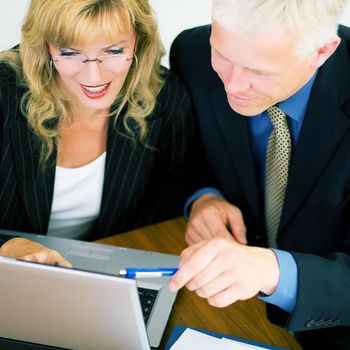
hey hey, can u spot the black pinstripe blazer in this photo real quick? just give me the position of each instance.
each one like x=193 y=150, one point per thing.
x=142 y=184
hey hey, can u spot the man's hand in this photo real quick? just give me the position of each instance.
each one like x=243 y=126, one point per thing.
x=25 y=249
x=212 y=216
x=224 y=271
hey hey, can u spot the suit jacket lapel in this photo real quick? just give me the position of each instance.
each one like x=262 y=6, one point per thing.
x=324 y=127
x=36 y=185
x=235 y=135
x=116 y=162
x=121 y=174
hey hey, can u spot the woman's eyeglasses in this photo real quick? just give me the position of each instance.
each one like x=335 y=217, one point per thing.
x=77 y=62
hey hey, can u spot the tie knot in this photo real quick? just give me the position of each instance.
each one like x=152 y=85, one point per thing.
x=277 y=117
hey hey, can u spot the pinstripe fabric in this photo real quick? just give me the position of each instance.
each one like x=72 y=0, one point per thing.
x=142 y=184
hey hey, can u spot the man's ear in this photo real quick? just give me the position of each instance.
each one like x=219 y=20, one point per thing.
x=324 y=52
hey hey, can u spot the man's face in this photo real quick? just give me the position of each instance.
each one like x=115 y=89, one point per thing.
x=258 y=70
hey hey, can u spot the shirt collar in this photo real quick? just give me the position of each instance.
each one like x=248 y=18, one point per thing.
x=295 y=106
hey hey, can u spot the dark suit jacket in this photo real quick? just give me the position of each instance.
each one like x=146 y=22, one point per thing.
x=142 y=184
x=315 y=223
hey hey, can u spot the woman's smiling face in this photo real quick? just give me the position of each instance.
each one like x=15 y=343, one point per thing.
x=95 y=84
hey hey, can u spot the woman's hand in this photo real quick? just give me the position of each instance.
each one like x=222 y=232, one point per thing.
x=24 y=249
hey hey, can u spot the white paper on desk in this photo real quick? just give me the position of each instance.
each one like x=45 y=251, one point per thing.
x=191 y=339
x=230 y=344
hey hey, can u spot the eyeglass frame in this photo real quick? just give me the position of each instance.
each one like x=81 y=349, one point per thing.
x=85 y=59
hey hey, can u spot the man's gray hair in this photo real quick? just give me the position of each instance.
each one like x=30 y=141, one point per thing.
x=315 y=22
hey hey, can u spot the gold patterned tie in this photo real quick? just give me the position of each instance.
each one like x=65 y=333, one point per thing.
x=277 y=165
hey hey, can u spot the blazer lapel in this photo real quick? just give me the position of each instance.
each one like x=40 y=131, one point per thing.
x=324 y=127
x=235 y=135
x=36 y=185
x=121 y=175
x=116 y=162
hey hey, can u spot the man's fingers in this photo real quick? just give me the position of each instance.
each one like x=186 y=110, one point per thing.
x=192 y=236
x=217 y=284
x=202 y=282
x=187 y=253
x=216 y=226
x=224 y=298
x=237 y=225
x=196 y=259
x=209 y=224
x=197 y=229
x=196 y=262
x=212 y=217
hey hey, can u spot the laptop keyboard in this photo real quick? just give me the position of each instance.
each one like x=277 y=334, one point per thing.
x=147 y=299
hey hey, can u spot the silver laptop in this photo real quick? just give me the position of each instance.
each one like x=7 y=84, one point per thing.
x=89 y=306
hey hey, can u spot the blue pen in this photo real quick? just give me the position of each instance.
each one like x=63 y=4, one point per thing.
x=134 y=272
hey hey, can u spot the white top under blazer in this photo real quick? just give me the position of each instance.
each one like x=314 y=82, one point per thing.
x=77 y=199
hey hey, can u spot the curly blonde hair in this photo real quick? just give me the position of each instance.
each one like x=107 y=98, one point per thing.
x=65 y=22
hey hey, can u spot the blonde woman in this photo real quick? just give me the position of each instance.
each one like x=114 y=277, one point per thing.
x=94 y=131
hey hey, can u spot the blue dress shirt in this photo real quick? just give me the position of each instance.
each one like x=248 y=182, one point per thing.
x=260 y=128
